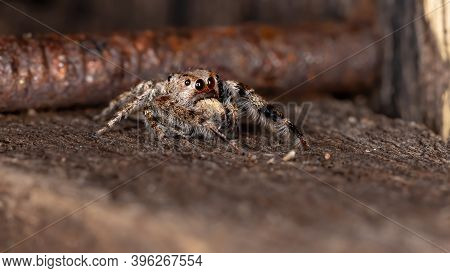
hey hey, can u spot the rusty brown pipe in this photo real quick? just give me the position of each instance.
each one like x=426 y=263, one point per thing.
x=49 y=71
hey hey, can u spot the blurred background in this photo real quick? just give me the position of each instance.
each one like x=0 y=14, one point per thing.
x=104 y=15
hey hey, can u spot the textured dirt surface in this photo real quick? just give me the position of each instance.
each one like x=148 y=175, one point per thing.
x=200 y=197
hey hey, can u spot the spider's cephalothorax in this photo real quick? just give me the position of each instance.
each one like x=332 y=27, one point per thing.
x=197 y=104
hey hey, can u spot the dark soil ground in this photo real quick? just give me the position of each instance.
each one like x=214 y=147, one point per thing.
x=384 y=187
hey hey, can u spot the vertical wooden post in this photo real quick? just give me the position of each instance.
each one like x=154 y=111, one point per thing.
x=416 y=66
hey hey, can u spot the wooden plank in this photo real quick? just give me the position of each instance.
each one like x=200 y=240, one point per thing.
x=196 y=196
x=438 y=19
x=416 y=70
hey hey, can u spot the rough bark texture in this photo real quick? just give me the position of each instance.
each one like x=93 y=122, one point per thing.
x=416 y=69
x=51 y=71
x=207 y=198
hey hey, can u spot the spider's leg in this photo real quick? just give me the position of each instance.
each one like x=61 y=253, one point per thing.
x=224 y=138
x=153 y=125
x=184 y=121
x=124 y=98
x=231 y=122
x=144 y=99
x=259 y=110
x=158 y=128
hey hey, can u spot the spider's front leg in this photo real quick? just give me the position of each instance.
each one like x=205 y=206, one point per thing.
x=158 y=128
x=124 y=98
x=183 y=121
x=130 y=102
x=259 y=110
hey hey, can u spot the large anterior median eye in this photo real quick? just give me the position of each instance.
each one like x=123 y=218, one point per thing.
x=199 y=84
x=211 y=82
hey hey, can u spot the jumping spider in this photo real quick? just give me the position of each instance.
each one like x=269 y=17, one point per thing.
x=197 y=103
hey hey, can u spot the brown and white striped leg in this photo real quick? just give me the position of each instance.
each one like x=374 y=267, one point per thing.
x=160 y=129
x=124 y=98
x=259 y=110
x=184 y=122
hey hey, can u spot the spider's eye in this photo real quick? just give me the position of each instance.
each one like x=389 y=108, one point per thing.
x=187 y=82
x=199 y=84
x=170 y=77
x=211 y=82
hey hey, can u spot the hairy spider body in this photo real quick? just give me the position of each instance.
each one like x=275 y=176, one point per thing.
x=197 y=103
